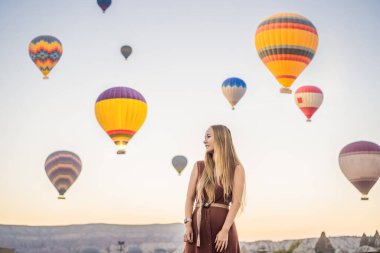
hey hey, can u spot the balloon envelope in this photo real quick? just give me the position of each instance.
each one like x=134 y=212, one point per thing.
x=308 y=99
x=121 y=111
x=63 y=168
x=179 y=163
x=286 y=43
x=234 y=89
x=104 y=4
x=126 y=51
x=45 y=51
x=360 y=163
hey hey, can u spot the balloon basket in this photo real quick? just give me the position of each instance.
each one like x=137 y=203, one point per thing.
x=308 y=120
x=61 y=197
x=120 y=152
x=364 y=198
x=45 y=77
x=286 y=91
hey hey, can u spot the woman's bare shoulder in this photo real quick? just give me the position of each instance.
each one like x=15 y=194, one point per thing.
x=196 y=167
x=239 y=169
x=197 y=163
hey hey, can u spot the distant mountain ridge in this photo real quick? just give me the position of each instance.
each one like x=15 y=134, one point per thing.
x=72 y=238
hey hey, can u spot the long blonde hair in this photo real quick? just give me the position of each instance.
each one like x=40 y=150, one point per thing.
x=222 y=161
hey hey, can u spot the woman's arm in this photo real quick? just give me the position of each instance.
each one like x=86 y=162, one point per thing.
x=191 y=189
x=190 y=197
x=237 y=193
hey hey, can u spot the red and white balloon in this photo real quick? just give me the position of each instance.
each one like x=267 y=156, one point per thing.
x=308 y=99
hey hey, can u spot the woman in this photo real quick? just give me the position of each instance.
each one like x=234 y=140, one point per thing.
x=214 y=183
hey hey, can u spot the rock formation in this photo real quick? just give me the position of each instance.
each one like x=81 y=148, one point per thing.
x=375 y=241
x=364 y=240
x=324 y=245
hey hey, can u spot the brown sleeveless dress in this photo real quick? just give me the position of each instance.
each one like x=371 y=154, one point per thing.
x=211 y=223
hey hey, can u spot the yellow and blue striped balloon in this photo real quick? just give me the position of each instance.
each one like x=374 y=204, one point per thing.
x=121 y=111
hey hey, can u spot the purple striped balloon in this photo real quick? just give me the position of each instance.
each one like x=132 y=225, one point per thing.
x=360 y=163
x=121 y=92
x=63 y=168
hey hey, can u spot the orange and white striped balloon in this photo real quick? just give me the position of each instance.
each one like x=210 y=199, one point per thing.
x=308 y=99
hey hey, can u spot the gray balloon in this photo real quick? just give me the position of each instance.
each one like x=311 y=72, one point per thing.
x=126 y=51
x=179 y=163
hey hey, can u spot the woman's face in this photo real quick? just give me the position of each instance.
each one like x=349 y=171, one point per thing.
x=209 y=140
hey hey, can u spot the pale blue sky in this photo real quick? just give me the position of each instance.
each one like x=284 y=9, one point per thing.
x=182 y=52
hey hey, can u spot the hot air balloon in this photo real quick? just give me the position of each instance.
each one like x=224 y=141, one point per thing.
x=121 y=111
x=179 y=163
x=360 y=163
x=63 y=168
x=234 y=89
x=45 y=51
x=308 y=99
x=104 y=4
x=286 y=43
x=126 y=51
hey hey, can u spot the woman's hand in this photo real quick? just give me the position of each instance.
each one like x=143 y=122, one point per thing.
x=221 y=240
x=188 y=236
